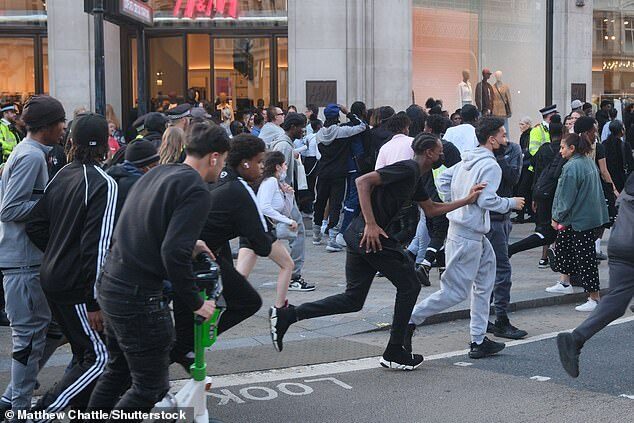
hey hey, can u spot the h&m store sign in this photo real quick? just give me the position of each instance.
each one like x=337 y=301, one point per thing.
x=205 y=8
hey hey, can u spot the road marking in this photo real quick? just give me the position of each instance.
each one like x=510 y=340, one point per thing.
x=462 y=364
x=627 y=396
x=337 y=367
x=540 y=378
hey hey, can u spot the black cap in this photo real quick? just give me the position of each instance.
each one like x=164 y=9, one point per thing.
x=42 y=110
x=199 y=112
x=139 y=123
x=155 y=122
x=293 y=118
x=141 y=153
x=90 y=130
x=179 y=112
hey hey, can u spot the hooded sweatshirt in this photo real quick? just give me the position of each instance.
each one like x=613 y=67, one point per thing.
x=477 y=166
x=622 y=234
x=334 y=144
x=269 y=132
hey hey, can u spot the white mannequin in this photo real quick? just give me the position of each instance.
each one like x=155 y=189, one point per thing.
x=465 y=92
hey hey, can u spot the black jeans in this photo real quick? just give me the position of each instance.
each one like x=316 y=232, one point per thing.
x=139 y=336
x=242 y=300
x=361 y=268
x=331 y=191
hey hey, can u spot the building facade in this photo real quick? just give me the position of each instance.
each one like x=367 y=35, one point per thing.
x=260 y=52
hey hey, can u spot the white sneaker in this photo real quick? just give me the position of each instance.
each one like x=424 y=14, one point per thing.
x=340 y=240
x=324 y=226
x=560 y=288
x=589 y=305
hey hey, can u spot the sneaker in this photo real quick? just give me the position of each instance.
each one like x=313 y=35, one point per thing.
x=589 y=305
x=568 y=353
x=486 y=348
x=324 y=226
x=4 y=407
x=504 y=329
x=316 y=235
x=333 y=247
x=185 y=361
x=441 y=270
x=601 y=256
x=490 y=327
x=379 y=275
x=4 y=321
x=422 y=272
x=299 y=284
x=544 y=263
x=279 y=322
x=560 y=288
x=399 y=358
x=409 y=334
x=339 y=240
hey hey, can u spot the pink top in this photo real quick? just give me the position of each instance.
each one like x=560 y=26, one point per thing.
x=397 y=149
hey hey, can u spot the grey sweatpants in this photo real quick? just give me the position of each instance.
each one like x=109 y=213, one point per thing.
x=614 y=304
x=29 y=314
x=499 y=238
x=298 y=244
x=470 y=268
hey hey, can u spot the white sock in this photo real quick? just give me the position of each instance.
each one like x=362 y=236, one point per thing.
x=597 y=245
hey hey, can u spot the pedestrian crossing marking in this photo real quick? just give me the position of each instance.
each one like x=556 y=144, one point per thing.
x=540 y=378
x=462 y=364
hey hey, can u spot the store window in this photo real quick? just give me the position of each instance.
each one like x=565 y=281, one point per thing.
x=199 y=67
x=242 y=72
x=17 y=69
x=22 y=13
x=282 y=72
x=613 y=51
x=167 y=71
x=454 y=35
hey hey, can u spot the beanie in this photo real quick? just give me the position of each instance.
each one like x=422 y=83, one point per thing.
x=42 y=110
x=331 y=111
x=155 y=122
x=90 y=130
x=141 y=153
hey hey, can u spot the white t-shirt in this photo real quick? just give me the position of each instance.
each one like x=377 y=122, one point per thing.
x=462 y=136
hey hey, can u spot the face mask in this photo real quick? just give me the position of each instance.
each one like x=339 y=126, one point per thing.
x=439 y=162
x=282 y=176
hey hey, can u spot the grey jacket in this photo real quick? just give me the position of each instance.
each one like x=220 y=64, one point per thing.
x=284 y=144
x=622 y=234
x=24 y=178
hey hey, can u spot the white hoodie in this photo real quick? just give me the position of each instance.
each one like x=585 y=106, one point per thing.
x=477 y=166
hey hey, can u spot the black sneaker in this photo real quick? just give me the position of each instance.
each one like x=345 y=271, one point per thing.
x=422 y=273
x=504 y=329
x=299 y=284
x=185 y=362
x=544 y=263
x=491 y=327
x=568 y=353
x=4 y=407
x=279 y=321
x=486 y=348
x=400 y=359
x=409 y=333
x=4 y=321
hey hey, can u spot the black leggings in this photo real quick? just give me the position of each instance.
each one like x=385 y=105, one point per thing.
x=243 y=301
x=331 y=191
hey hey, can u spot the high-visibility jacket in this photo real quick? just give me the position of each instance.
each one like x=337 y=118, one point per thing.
x=8 y=139
x=539 y=135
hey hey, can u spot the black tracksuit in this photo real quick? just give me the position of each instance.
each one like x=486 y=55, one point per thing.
x=153 y=241
x=234 y=213
x=73 y=224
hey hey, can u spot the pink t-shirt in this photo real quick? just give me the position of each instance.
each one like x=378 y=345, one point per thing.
x=397 y=149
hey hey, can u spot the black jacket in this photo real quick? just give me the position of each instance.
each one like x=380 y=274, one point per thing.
x=156 y=232
x=378 y=136
x=543 y=158
x=335 y=149
x=234 y=213
x=73 y=224
x=125 y=175
x=155 y=138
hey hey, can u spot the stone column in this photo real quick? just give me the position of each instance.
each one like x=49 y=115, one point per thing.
x=572 y=50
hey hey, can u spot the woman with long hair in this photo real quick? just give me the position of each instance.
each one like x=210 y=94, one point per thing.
x=578 y=210
x=618 y=155
x=172 y=147
x=273 y=199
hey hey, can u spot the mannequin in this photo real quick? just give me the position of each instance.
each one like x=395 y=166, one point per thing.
x=501 y=100
x=484 y=94
x=465 y=93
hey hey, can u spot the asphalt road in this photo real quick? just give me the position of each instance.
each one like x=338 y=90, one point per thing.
x=525 y=383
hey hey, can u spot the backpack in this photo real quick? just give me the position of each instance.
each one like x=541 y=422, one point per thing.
x=546 y=184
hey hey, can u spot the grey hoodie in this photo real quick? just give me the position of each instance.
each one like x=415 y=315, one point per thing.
x=477 y=166
x=24 y=178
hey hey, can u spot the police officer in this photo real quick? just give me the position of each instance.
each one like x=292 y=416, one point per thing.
x=9 y=135
x=179 y=116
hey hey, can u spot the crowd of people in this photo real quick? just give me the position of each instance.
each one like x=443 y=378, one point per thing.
x=98 y=230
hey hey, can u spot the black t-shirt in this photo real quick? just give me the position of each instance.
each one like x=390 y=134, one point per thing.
x=600 y=152
x=401 y=184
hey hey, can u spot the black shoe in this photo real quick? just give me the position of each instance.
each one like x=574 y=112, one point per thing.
x=544 y=263
x=504 y=329
x=4 y=407
x=491 y=327
x=422 y=272
x=299 y=284
x=409 y=333
x=568 y=353
x=279 y=321
x=398 y=358
x=486 y=348
x=4 y=321
x=183 y=360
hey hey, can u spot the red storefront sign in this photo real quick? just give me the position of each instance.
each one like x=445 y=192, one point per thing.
x=207 y=8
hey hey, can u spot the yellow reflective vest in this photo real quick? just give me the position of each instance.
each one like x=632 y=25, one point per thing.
x=539 y=135
x=8 y=139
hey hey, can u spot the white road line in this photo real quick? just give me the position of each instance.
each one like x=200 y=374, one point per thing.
x=462 y=364
x=337 y=367
x=540 y=378
x=627 y=396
